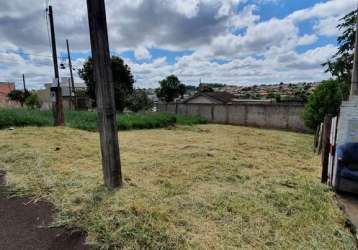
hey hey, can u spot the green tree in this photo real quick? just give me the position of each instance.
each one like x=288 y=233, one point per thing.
x=191 y=88
x=341 y=64
x=301 y=95
x=139 y=100
x=271 y=95
x=32 y=101
x=18 y=96
x=274 y=95
x=170 y=88
x=122 y=81
x=325 y=99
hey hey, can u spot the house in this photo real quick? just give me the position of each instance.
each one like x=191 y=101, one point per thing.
x=223 y=98
x=5 y=89
x=70 y=97
x=211 y=98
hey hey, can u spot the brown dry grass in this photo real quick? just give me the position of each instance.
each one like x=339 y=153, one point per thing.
x=202 y=187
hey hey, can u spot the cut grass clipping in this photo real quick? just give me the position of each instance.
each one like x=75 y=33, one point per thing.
x=198 y=187
x=88 y=120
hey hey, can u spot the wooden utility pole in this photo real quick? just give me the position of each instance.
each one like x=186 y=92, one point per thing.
x=354 y=84
x=71 y=74
x=326 y=146
x=57 y=106
x=24 y=82
x=106 y=111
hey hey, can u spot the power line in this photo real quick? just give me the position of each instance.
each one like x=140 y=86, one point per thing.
x=31 y=54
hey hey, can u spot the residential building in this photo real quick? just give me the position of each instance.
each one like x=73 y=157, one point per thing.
x=5 y=89
x=71 y=98
x=211 y=98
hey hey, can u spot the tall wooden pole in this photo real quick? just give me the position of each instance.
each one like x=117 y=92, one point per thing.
x=104 y=94
x=24 y=82
x=354 y=83
x=327 y=124
x=71 y=74
x=58 y=104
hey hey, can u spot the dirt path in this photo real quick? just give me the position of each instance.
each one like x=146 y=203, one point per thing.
x=23 y=225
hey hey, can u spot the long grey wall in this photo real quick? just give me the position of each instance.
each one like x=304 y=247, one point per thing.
x=272 y=115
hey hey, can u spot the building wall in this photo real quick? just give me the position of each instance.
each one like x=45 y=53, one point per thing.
x=5 y=89
x=271 y=115
x=347 y=131
x=6 y=103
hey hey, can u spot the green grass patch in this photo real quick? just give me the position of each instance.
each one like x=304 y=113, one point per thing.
x=190 y=120
x=86 y=120
x=198 y=187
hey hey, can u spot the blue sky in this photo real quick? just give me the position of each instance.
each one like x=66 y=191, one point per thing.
x=238 y=42
x=266 y=11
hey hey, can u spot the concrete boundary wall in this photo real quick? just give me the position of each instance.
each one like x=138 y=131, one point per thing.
x=264 y=115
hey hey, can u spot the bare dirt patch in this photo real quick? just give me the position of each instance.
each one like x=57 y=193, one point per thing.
x=24 y=224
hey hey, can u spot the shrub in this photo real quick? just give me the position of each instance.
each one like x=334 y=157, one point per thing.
x=18 y=96
x=190 y=120
x=88 y=120
x=325 y=99
x=32 y=101
x=24 y=117
x=139 y=101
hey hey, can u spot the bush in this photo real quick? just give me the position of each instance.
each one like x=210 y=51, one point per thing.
x=32 y=101
x=326 y=99
x=139 y=101
x=190 y=120
x=88 y=120
x=24 y=117
x=18 y=96
x=145 y=121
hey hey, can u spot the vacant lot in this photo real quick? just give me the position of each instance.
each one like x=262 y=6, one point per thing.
x=204 y=187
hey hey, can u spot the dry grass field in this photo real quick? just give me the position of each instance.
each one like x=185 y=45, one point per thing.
x=198 y=187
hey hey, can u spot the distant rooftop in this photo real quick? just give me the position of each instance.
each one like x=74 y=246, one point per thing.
x=223 y=97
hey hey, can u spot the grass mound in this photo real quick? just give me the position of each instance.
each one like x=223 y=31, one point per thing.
x=200 y=187
x=88 y=120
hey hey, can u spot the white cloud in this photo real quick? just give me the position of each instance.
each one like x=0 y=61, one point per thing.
x=327 y=26
x=257 y=40
x=254 y=51
x=332 y=8
x=188 y=8
x=227 y=7
x=245 y=18
x=142 y=53
x=307 y=39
